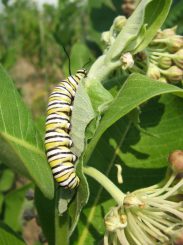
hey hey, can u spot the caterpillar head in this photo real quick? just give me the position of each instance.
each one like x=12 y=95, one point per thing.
x=82 y=72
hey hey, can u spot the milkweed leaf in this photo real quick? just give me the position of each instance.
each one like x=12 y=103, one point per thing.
x=20 y=142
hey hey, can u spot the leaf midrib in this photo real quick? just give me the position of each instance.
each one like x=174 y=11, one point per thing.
x=22 y=142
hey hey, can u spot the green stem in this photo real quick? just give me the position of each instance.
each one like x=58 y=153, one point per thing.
x=100 y=70
x=110 y=187
x=61 y=225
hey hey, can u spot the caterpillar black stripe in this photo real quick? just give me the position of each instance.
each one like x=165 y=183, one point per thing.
x=57 y=139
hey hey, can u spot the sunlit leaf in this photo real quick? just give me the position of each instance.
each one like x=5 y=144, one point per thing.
x=20 y=142
x=136 y=90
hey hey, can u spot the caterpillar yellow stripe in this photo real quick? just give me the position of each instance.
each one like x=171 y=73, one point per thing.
x=58 y=124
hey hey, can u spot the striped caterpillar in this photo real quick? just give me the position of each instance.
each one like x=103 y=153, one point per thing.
x=58 y=124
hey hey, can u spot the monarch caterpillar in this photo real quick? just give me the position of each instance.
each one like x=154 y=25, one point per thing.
x=57 y=139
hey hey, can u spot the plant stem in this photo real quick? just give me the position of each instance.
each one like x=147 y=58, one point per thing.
x=100 y=70
x=110 y=187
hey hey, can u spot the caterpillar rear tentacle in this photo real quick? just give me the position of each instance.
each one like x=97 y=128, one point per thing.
x=58 y=124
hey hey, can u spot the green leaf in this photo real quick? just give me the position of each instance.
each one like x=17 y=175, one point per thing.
x=80 y=198
x=134 y=149
x=46 y=215
x=149 y=145
x=6 y=179
x=55 y=227
x=100 y=97
x=15 y=200
x=136 y=90
x=130 y=31
x=8 y=236
x=155 y=16
x=72 y=201
x=20 y=142
x=82 y=115
x=140 y=27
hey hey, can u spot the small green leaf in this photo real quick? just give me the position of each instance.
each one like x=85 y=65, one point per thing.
x=21 y=145
x=65 y=197
x=8 y=236
x=100 y=97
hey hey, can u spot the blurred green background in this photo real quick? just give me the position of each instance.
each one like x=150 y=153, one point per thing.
x=31 y=39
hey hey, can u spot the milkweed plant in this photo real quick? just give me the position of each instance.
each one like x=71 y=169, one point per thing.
x=146 y=60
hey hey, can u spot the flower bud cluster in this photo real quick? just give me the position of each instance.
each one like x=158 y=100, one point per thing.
x=165 y=56
x=152 y=215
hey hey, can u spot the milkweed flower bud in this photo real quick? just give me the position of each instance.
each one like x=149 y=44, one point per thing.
x=162 y=79
x=115 y=220
x=178 y=58
x=173 y=74
x=105 y=37
x=165 y=62
x=169 y=31
x=119 y=22
x=176 y=161
x=166 y=32
x=174 y=43
x=153 y=72
x=127 y=61
x=178 y=237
